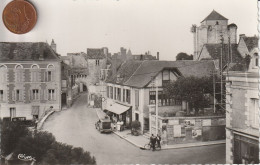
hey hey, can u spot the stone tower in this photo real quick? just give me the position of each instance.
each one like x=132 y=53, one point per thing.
x=53 y=45
x=210 y=31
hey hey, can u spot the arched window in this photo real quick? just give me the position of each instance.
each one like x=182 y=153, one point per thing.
x=35 y=66
x=19 y=73
x=3 y=73
x=3 y=67
x=50 y=66
x=18 y=66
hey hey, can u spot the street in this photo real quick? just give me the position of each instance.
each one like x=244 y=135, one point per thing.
x=76 y=126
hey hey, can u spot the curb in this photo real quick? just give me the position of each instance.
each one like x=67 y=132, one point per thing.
x=122 y=137
x=177 y=146
x=39 y=127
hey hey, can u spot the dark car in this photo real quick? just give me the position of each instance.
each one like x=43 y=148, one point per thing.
x=104 y=125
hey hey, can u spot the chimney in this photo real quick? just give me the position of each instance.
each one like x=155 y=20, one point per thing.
x=158 y=55
x=53 y=45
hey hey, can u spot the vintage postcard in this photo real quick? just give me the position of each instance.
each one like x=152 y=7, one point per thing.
x=129 y=82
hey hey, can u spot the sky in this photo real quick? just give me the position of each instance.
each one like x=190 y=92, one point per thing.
x=140 y=25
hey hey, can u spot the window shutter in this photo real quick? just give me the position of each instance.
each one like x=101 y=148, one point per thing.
x=31 y=94
x=52 y=76
x=55 y=94
x=21 y=95
x=45 y=94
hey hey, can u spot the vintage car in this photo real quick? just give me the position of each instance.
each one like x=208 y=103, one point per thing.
x=104 y=125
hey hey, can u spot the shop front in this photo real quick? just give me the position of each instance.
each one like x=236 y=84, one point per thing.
x=120 y=113
x=246 y=149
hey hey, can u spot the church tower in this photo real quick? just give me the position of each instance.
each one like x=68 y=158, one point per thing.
x=211 y=30
x=53 y=45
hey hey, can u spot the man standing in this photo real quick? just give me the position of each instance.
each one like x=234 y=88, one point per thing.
x=153 y=141
x=158 y=140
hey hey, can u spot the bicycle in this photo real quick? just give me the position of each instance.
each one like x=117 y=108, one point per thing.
x=149 y=147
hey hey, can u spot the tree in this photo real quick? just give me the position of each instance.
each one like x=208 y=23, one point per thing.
x=17 y=139
x=193 y=90
x=183 y=56
x=11 y=132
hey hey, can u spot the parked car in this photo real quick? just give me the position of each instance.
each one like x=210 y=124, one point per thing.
x=104 y=125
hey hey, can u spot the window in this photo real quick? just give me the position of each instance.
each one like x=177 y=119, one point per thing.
x=163 y=100
x=49 y=73
x=19 y=73
x=124 y=95
x=3 y=73
x=17 y=95
x=136 y=99
x=51 y=94
x=128 y=96
x=254 y=113
x=114 y=97
x=35 y=94
x=1 y=95
x=111 y=92
x=97 y=62
x=12 y=112
x=165 y=77
x=118 y=94
x=107 y=91
x=152 y=97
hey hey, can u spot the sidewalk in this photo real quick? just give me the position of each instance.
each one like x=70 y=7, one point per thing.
x=140 y=141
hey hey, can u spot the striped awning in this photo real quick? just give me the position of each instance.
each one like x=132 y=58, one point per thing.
x=35 y=110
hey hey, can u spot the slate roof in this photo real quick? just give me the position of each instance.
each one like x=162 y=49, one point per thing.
x=26 y=51
x=215 y=16
x=215 y=52
x=139 y=73
x=251 y=42
x=95 y=53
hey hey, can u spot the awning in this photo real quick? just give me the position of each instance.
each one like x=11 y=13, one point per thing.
x=35 y=110
x=117 y=108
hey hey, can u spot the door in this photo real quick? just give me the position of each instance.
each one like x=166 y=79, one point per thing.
x=12 y=112
x=63 y=99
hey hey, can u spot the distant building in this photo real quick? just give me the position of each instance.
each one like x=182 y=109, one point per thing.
x=210 y=32
x=30 y=79
x=242 y=117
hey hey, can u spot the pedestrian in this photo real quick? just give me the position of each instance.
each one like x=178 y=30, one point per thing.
x=153 y=141
x=158 y=140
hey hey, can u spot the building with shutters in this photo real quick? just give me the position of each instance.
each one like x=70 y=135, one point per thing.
x=131 y=92
x=30 y=79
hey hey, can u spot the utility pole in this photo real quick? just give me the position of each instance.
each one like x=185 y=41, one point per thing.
x=221 y=71
x=156 y=105
x=214 y=91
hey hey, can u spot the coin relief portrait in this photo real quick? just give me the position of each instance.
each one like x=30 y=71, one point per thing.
x=19 y=16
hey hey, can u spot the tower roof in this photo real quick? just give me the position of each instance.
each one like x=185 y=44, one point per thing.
x=215 y=16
